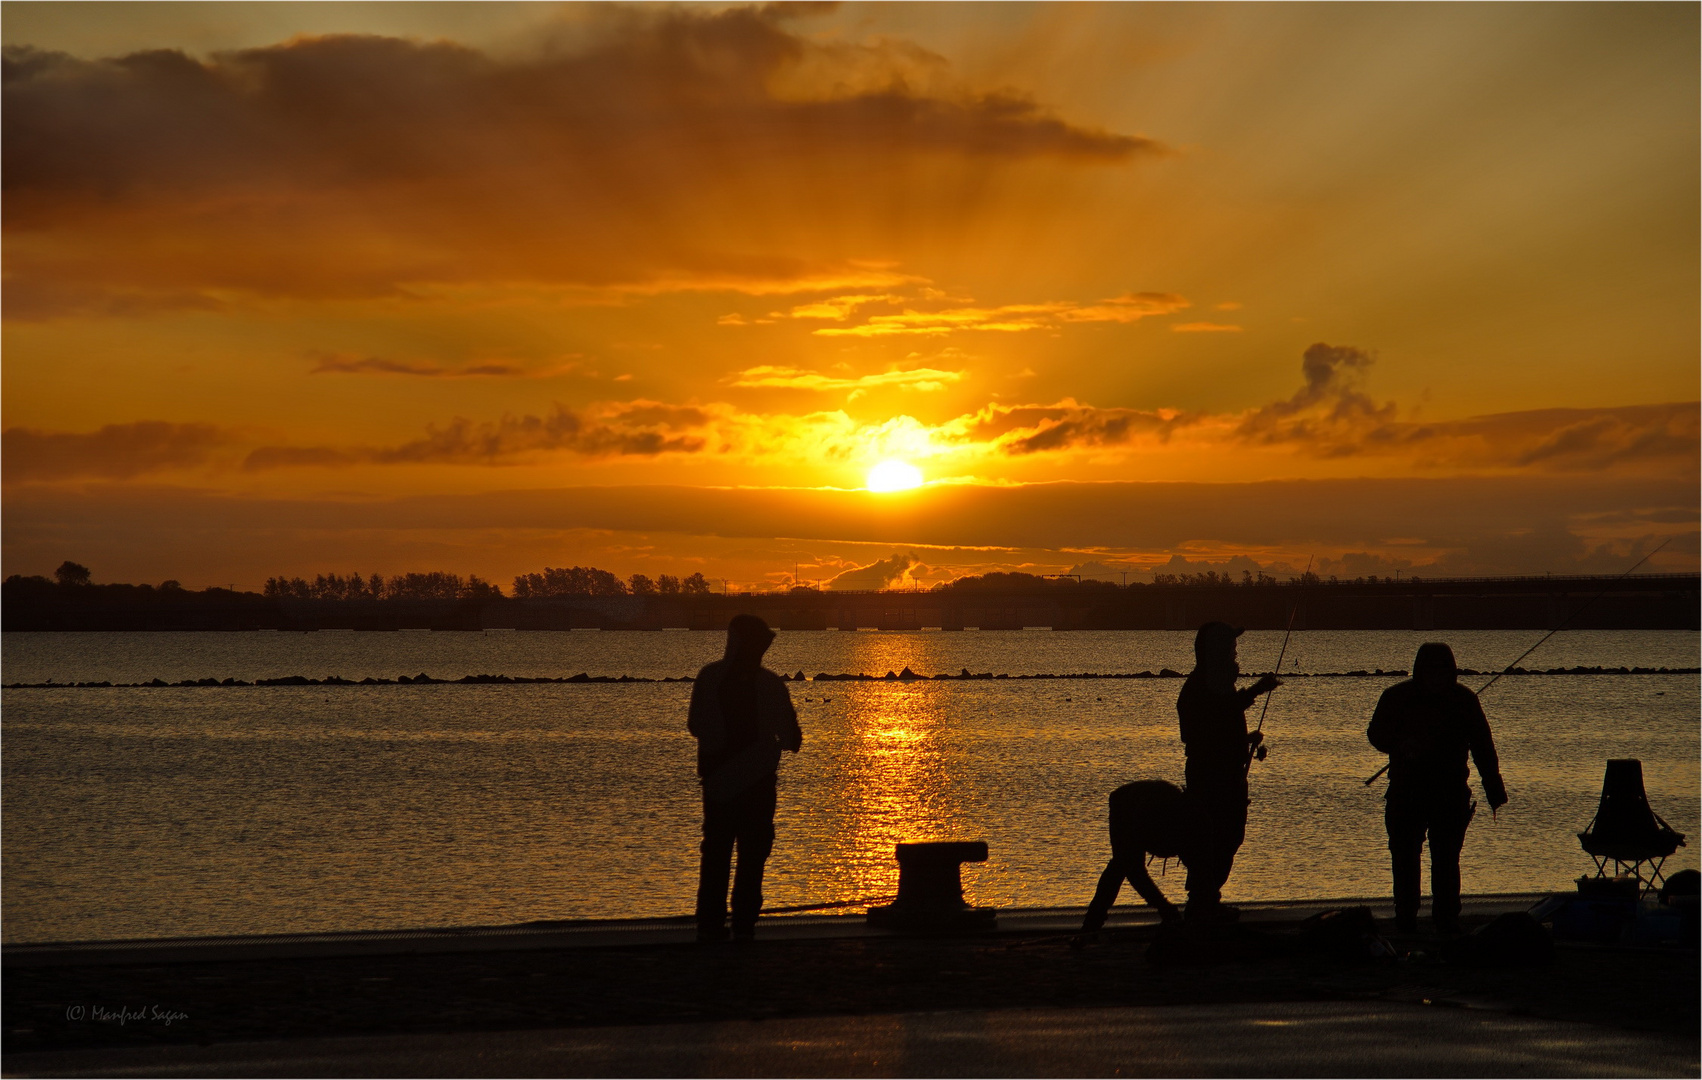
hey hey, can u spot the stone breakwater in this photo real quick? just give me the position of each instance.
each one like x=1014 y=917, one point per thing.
x=904 y=676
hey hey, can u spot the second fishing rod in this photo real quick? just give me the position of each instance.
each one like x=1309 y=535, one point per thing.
x=1571 y=616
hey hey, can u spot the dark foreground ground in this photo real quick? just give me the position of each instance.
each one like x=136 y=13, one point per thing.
x=955 y=1006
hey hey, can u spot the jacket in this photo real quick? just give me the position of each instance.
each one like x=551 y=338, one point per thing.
x=1214 y=727
x=1428 y=736
x=733 y=753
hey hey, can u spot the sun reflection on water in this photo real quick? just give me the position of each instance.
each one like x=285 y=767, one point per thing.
x=900 y=780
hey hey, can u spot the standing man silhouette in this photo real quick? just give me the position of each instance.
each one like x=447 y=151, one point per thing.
x=742 y=716
x=1214 y=731
x=1427 y=725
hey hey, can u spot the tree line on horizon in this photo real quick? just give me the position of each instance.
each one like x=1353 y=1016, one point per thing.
x=582 y=581
x=437 y=585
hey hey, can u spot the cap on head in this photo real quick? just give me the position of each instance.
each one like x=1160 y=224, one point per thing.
x=748 y=629
x=1215 y=639
x=1434 y=658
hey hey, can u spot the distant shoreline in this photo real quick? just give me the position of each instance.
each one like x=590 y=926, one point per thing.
x=1639 y=602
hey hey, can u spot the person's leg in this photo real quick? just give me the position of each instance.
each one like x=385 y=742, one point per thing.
x=1447 y=837
x=1137 y=874
x=756 y=841
x=1110 y=884
x=713 y=868
x=1219 y=818
x=1406 y=840
x=1208 y=869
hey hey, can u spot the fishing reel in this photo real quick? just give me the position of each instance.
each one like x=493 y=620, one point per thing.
x=1261 y=753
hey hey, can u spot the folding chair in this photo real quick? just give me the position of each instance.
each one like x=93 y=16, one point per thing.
x=1626 y=831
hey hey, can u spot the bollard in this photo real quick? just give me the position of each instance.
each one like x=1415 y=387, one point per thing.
x=930 y=890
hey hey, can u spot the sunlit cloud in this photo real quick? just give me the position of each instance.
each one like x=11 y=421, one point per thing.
x=1206 y=328
x=1010 y=318
x=922 y=379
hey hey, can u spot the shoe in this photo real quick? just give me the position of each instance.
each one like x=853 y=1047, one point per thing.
x=741 y=936
x=1446 y=924
x=707 y=935
x=1210 y=913
x=1406 y=923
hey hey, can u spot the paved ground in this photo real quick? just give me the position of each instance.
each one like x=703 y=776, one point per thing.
x=1274 y=1039
x=830 y=997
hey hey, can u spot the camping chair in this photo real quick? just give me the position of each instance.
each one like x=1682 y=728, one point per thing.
x=1626 y=831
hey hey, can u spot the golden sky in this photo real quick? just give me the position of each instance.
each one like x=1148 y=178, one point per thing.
x=298 y=288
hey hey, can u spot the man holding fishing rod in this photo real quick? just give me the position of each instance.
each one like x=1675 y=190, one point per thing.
x=1213 y=716
x=1427 y=725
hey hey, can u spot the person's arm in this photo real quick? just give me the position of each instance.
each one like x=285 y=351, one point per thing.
x=1244 y=698
x=1382 y=731
x=1483 y=753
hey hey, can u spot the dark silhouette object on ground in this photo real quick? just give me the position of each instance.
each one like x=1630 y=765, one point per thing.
x=742 y=717
x=1684 y=883
x=1346 y=935
x=1213 y=716
x=1512 y=939
x=1427 y=725
x=1626 y=831
x=930 y=890
x=1148 y=819
x=70 y=573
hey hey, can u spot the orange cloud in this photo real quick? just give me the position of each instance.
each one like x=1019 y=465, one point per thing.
x=1206 y=328
x=364 y=166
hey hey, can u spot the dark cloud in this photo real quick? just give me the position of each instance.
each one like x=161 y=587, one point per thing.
x=115 y=452
x=502 y=442
x=1330 y=411
x=350 y=165
x=338 y=364
x=1478 y=525
x=1019 y=430
x=1332 y=416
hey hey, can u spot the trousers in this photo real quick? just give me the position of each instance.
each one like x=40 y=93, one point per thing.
x=746 y=822
x=1217 y=812
x=1442 y=818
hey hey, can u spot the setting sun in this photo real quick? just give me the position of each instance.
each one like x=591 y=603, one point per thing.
x=894 y=476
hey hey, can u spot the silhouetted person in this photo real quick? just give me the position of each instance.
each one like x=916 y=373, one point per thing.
x=742 y=716
x=1214 y=731
x=1427 y=725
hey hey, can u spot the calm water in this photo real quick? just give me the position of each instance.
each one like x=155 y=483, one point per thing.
x=156 y=812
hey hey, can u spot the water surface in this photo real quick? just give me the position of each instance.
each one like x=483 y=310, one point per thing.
x=153 y=812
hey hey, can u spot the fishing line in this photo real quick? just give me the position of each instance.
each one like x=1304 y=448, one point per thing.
x=1579 y=610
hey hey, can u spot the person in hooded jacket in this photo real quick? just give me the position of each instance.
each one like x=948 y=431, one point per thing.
x=1428 y=725
x=742 y=717
x=1213 y=718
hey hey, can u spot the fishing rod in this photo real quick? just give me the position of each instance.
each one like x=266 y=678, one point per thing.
x=1260 y=753
x=1579 y=610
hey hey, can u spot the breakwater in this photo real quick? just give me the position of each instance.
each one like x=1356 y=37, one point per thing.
x=904 y=676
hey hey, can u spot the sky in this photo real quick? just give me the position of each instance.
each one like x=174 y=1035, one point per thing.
x=344 y=287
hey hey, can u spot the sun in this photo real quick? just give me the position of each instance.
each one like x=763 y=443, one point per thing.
x=894 y=476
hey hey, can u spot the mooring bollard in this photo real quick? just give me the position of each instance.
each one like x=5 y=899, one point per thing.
x=930 y=890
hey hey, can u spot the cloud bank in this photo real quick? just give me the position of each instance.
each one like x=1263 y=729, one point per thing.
x=678 y=148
